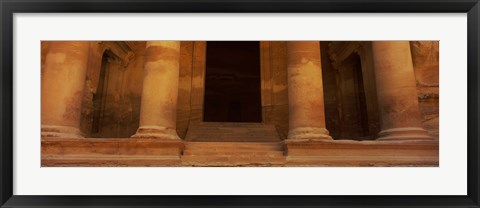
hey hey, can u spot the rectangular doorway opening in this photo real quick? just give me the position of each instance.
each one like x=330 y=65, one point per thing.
x=232 y=82
x=354 y=118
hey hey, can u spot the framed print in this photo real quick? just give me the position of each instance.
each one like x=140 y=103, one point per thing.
x=265 y=103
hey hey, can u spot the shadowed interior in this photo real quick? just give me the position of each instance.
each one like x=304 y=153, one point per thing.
x=232 y=82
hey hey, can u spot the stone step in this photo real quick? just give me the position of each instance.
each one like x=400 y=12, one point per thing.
x=233 y=148
x=235 y=145
x=236 y=153
x=233 y=154
x=230 y=124
x=232 y=132
x=233 y=160
x=234 y=127
x=214 y=138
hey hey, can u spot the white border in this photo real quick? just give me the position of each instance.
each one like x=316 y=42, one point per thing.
x=449 y=178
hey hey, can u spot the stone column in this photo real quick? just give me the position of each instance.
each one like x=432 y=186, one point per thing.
x=160 y=90
x=396 y=92
x=305 y=92
x=63 y=81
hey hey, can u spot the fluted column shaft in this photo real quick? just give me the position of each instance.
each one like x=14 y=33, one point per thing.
x=160 y=90
x=396 y=91
x=305 y=91
x=63 y=82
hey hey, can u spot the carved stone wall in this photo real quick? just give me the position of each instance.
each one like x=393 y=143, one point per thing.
x=273 y=85
x=44 y=49
x=185 y=87
x=119 y=113
x=125 y=77
x=426 y=66
x=357 y=118
x=330 y=92
x=425 y=57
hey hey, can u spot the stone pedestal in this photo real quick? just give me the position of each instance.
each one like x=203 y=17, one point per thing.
x=160 y=90
x=305 y=92
x=396 y=92
x=63 y=80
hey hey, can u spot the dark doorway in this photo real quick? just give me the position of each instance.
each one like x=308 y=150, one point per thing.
x=353 y=107
x=99 y=98
x=232 y=82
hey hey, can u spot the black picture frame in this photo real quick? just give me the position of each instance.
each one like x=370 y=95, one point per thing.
x=10 y=7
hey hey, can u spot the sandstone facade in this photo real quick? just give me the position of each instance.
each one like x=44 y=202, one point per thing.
x=136 y=103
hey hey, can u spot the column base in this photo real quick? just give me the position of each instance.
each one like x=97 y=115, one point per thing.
x=409 y=133
x=309 y=133
x=61 y=131
x=156 y=132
